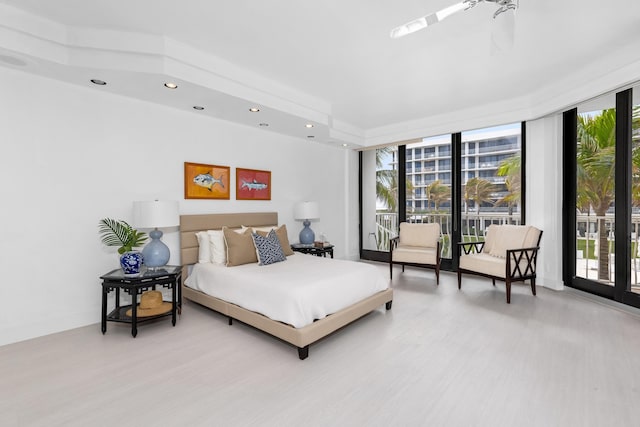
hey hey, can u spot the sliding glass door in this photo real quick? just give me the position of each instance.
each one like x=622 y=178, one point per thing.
x=602 y=196
x=379 y=201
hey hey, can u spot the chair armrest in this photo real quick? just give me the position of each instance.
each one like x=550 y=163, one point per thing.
x=471 y=247
x=523 y=262
x=393 y=243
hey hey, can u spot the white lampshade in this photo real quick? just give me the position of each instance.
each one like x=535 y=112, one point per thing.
x=155 y=214
x=306 y=210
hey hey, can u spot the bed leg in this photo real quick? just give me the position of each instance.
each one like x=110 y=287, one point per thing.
x=303 y=352
x=230 y=321
x=388 y=305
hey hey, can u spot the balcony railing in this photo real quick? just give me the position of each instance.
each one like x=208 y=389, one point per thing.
x=473 y=226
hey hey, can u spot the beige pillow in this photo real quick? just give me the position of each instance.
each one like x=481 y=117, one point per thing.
x=266 y=228
x=281 y=232
x=240 y=248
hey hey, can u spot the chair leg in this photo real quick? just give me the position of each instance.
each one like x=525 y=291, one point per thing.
x=533 y=286
x=459 y=279
x=437 y=275
x=494 y=281
x=390 y=270
x=403 y=268
x=508 y=291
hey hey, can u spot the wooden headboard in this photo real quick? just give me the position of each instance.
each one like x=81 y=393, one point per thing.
x=191 y=224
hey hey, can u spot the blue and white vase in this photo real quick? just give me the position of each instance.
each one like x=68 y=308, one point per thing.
x=131 y=262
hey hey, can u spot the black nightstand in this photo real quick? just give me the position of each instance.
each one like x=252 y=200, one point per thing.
x=313 y=250
x=169 y=277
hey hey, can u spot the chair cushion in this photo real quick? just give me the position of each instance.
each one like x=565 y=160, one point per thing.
x=414 y=254
x=508 y=237
x=531 y=239
x=484 y=263
x=421 y=235
x=489 y=237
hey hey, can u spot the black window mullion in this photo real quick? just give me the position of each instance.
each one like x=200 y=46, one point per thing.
x=569 y=188
x=402 y=183
x=623 y=194
x=523 y=172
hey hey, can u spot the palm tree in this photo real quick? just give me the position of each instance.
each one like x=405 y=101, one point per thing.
x=511 y=168
x=478 y=190
x=595 y=170
x=438 y=193
x=387 y=182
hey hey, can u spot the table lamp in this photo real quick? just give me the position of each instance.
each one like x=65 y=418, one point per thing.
x=155 y=214
x=306 y=211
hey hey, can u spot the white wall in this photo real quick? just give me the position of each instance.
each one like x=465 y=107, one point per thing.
x=72 y=155
x=544 y=195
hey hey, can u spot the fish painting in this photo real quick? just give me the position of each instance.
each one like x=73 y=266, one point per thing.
x=254 y=185
x=207 y=181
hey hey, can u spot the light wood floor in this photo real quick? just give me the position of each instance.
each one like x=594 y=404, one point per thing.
x=440 y=357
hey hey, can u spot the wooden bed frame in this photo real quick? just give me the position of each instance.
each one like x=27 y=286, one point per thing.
x=299 y=337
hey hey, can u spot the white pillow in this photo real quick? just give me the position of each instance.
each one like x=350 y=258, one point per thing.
x=218 y=249
x=204 y=247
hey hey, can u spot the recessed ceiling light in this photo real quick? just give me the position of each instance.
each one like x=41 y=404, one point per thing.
x=254 y=109
x=198 y=107
x=308 y=125
x=310 y=136
x=98 y=82
x=264 y=124
x=344 y=145
x=171 y=85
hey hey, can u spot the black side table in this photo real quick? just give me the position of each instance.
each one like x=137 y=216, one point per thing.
x=169 y=277
x=313 y=250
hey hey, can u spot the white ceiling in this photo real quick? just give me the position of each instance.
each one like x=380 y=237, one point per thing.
x=329 y=62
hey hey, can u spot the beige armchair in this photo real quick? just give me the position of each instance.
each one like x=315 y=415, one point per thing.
x=417 y=245
x=508 y=253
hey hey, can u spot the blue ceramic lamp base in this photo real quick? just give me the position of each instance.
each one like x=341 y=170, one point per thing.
x=307 y=236
x=155 y=253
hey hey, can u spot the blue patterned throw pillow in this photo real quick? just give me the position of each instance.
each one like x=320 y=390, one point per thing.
x=268 y=248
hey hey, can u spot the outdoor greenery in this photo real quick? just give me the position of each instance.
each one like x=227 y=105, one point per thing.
x=596 y=174
x=595 y=169
x=387 y=182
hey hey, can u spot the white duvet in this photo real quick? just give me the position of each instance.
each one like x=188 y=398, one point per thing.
x=296 y=291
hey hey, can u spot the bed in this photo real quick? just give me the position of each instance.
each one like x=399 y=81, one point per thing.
x=314 y=324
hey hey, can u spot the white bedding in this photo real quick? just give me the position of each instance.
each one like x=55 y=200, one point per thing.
x=296 y=291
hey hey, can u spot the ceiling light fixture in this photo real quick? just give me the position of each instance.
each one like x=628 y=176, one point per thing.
x=198 y=107
x=308 y=125
x=171 y=85
x=310 y=136
x=254 y=109
x=98 y=82
x=344 y=145
x=434 y=18
x=264 y=124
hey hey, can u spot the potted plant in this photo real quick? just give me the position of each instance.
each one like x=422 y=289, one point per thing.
x=119 y=233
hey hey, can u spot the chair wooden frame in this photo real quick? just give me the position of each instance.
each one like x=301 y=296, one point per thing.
x=393 y=243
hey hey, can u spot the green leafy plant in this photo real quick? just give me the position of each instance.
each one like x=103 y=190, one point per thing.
x=118 y=233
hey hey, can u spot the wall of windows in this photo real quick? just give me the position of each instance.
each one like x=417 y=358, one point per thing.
x=465 y=182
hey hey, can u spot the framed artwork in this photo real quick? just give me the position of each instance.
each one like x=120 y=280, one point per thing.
x=206 y=181
x=253 y=184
